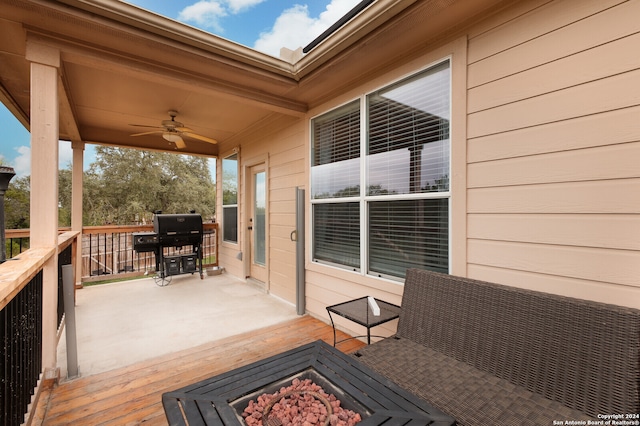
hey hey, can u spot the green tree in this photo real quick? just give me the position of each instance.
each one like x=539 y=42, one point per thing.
x=126 y=186
x=16 y=211
x=16 y=203
x=64 y=197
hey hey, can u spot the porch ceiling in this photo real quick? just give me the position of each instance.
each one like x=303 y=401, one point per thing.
x=121 y=65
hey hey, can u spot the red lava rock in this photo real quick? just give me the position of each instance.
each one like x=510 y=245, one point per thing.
x=300 y=409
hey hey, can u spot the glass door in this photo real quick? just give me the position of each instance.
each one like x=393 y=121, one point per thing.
x=258 y=223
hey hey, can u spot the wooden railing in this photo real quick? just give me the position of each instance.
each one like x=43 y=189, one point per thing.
x=22 y=307
x=24 y=338
x=17 y=241
x=107 y=251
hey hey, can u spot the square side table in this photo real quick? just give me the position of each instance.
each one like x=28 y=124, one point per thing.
x=359 y=311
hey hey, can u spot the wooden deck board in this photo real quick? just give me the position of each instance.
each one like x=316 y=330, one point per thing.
x=132 y=395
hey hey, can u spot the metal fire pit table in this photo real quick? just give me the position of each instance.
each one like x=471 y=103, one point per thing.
x=220 y=400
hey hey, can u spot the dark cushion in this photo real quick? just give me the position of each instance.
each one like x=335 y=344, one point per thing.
x=471 y=396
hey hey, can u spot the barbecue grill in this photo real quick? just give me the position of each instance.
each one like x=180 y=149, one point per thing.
x=173 y=230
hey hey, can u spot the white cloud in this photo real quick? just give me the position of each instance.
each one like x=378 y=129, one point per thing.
x=291 y=30
x=295 y=28
x=334 y=11
x=205 y=13
x=237 y=6
x=65 y=155
x=22 y=163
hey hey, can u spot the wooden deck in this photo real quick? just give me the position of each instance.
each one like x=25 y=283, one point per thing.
x=132 y=395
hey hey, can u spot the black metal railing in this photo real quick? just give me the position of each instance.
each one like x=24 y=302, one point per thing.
x=109 y=251
x=17 y=241
x=21 y=355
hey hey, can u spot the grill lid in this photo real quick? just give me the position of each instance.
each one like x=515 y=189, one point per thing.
x=178 y=229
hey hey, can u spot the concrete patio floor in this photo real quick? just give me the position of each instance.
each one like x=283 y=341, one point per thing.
x=123 y=323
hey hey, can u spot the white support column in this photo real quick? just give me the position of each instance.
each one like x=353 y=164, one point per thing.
x=77 y=175
x=45 y=62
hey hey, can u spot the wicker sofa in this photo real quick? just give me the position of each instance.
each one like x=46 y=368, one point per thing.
x=490 y=354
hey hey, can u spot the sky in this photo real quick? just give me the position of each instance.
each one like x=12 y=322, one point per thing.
x=264 y=25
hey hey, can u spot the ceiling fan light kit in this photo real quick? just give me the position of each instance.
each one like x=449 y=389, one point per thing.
x=171 y=137
x=175 y=138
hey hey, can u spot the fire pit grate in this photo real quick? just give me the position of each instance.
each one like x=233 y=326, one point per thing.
x=346 y=401
x=220 y=400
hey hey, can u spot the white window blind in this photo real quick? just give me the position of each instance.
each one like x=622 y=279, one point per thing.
x=336 y=233
x=335 y=170
x=408 y=132
x=408 y=234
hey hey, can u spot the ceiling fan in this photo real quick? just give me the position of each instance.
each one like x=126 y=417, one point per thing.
x=173 y=131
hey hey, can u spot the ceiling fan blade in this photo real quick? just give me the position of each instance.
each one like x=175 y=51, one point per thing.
x=144 y=125
x=147 y=133
x=180 y=143
x=200 y=137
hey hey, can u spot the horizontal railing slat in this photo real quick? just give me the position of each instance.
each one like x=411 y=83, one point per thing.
x=108 y=250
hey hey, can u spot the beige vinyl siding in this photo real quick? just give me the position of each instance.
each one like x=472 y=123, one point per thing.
x=586 y=230
x=282 y=147
x=286 y=171
x=586 y=164
x=605 y=128
x=509 y=44
x=553 y=149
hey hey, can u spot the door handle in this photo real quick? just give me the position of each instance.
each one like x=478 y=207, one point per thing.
x=294 y=235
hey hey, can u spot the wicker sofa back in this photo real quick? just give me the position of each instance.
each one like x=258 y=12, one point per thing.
x=583 y=355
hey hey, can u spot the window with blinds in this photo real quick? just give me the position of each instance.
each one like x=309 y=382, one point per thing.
x=403 y=193
x=230 y=198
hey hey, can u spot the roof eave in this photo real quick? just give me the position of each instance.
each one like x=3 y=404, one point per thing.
x=374 y=15
x=151 y=22
x=367 y=21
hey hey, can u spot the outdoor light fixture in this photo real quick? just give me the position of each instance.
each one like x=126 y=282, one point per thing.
x=171 y=137
x=6 y=174
x=175 y=138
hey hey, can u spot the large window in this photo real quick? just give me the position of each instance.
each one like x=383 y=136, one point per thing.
x=380 y=191
x=230 y=199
